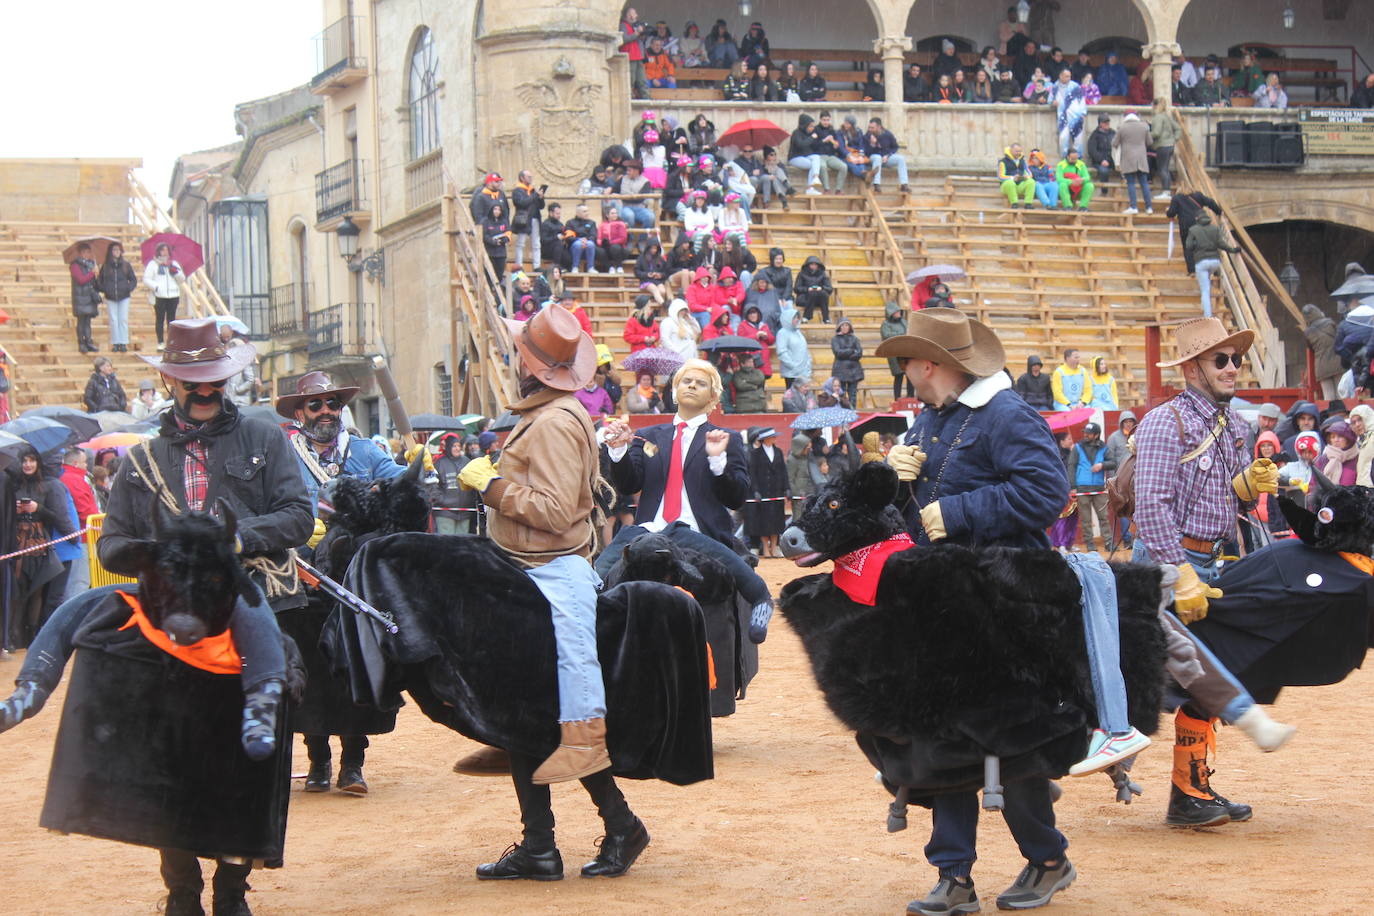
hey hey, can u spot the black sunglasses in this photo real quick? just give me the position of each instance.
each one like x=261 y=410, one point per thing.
x=1221 y=359
x=315 y=404
x=193 y=386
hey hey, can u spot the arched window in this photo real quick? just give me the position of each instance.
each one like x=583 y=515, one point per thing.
x=423 y=96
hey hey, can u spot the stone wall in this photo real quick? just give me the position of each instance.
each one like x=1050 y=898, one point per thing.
x=65 y=190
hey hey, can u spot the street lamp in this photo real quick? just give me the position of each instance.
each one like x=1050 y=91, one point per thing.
x=1022 y=11
x=347 y=237
x=745 y=7
x=1289 y=276
x=1288 y=17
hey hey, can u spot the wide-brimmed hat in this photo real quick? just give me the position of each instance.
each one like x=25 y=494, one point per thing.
x=194 y=353
x=948 y=336
x=555 y=349
x=1199 y=336
x=313 y=385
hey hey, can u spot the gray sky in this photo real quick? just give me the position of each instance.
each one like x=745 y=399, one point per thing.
x=136 y=78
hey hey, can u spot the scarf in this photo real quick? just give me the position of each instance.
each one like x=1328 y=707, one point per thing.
x=179 y=429
x=645 y=393
x=215 y=654
x=857 y=574
x=1336 y=459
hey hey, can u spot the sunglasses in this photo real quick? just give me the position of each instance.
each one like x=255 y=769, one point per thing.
x=1221 y=359
x=195 y=386
x=316 y=404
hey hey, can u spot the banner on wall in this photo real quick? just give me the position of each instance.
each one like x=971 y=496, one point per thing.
x=1338 y=131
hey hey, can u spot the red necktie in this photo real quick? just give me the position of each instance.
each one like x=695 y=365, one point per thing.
x=672 y=493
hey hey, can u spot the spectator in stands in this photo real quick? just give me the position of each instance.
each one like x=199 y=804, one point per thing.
x=989 y=64
x=701 y=136
x=633 y=210
x=762 y=86
x=643 y=397
x=720 y=46
x=851 y=142
x=915 y=87
x=961 y=86
x=1271 y=94
x=1011 y=33
x=894 y=325
x=692 y=47
x=789 y=82
x=802 y=153
x=484 y=198
x=612 y=242
x=709 y=255
x=582 y=243
x=1363 y=96
x=554 y=238
x=1075 y=182
x=496 y=237
x=736 y=256
x=880 y=146
x=981 y=93
x=599 y=182
x=1017 y=185
x=756 y=327
x=735 y=173
x=1111 y=76
x=736 y=85
x=703 y=296
x=1069 y=386
x=652 y=270
x=733 y=220
x=527 y=206
x=848 y=365
x=525 y=308
x=732 y=292
x=874 y=90
x=1179 y=94
x=653 y=155
x=163 y=277
x=1103 y=386
x=812 y=288
x=830 y=146
x=939 y=297
x=632 y=33
x=749 y=384
x=1026 y=63
x=1092 y=93
x=117 y=282
x=1046 y=184
x=946 y=62
x=679 y=331
x=1038 y=90
x=1134 y=162
x=681 y=265
x=1071 y=111
x=641 y=328
x=721 y=324
x=753 y=47
x=1248 y=77
x=779 y=274
x=659 y=70
x=85 y=298
x=1139 y=89
x=710 y=181
x=677 y=192
x=594 y=398
x=1209 y=92
x=812 y=87
x=697 y=221
x=148 y=404
x=1164 y=133
x=1083 y=65
x=1056 y=62
x=613 y=159
x=764 y=297
x=1185 y=207
x=1206 y=241
x=771 y=179
x=1321 y=340
x=1006 y=89
x=1100 y=148
x=671 y=46
x=794 y=356
x=1034 y=385
x=103 y=391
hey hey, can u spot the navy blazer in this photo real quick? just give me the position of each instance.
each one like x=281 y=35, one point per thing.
x=710 y=496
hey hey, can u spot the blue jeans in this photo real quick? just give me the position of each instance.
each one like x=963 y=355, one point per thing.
x=1143 y=179
x=583 y=248
x=636 y=216
x=570 y=586
x=1103 y=636
x=1205 y=268
x=747 y=582
x=1047 y=192
x=896 y=159
x=812 y=164
x=666 y=82
x=1028 y=811
x=119 y=320
x=79 y=580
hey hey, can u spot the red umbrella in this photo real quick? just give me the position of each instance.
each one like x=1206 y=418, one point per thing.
x=1067 y=419
x=757 y=132
x=185 y=251
x=99 y=245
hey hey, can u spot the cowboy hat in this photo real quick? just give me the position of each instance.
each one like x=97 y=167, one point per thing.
x=1200 y=336
x=554 y=348
x=948 y=336
x=195 y=353
x=312 y=385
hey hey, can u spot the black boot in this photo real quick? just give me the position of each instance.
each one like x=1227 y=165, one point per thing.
x=354 y=753
x=351 y=780
x=317 y=780
x=1239 y=813
x=618 y=852
x=231 y=884
x=519 y=862
x=181 y=875
x=1190 y=811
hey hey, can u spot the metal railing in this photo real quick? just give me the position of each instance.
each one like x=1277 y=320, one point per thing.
x=336 y=50
x=289 y=305
x=425 y=180
x=340 y=190
x=253 y=311
x=342 y=331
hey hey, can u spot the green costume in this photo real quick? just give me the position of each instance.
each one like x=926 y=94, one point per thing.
x=1065 y=172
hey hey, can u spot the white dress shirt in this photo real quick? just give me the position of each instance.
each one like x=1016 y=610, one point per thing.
x=715 y=462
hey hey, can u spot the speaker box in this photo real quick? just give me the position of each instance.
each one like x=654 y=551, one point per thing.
x=1288 y=145
x=1230 y=143
x=1259 y=143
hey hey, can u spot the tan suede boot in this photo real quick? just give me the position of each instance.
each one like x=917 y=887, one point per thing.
x=581 y=752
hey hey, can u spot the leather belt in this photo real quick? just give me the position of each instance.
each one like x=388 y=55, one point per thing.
x=1197 y=546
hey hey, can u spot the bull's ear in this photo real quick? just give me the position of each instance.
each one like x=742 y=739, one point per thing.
x=226 y=515
x=874 y=484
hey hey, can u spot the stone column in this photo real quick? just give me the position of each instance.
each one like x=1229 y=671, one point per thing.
x=1161 y=55
x=891 y=50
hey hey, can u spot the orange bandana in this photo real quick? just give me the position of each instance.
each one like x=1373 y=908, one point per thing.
x=710 y=659
x=215 y=654
x=1361 y=562
x=857 y=573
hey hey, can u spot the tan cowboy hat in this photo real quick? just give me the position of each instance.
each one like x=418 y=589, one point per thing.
x=948 y=336
x=312 y=385
x=1200 y=336
x=195 y=353
x=554 y=348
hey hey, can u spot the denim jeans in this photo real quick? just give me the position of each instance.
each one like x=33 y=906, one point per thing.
x=1205 y=268
x=1164 y=155
x=1028 y=811
x=1103 y=636
x=747 y=582
x=570 y=585
x=530 y=238
x=80 y=578
x=666 y=82
x=1143 y=179
x=1047 y=192
x=583 y=248
x=119 y=320
x=812 y=164
x=896 y=159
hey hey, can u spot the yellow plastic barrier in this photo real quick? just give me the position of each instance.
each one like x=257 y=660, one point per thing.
x=99 y=574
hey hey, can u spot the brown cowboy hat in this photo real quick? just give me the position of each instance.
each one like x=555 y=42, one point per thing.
x=1200 y=336
x=194 y=353
x=554 y=348
x=312 y=385
x=950 y=337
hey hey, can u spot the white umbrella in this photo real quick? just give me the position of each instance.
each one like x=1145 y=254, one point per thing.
x=943 y=271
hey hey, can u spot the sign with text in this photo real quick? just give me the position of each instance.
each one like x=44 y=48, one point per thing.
x=1338 y=131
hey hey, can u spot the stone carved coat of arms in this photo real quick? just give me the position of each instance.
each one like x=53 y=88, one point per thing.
x=564 y=132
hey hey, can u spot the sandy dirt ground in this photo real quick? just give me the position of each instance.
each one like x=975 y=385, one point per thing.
x=792 y=823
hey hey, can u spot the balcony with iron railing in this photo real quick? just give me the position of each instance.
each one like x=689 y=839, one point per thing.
x=424 y=181
x=252 y=310
x=289 y=306
x=340 y=191
x=337 y=63
x=341 y=333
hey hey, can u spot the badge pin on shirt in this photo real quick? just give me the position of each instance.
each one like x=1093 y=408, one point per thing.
x=650 y=450
x=1205 y=462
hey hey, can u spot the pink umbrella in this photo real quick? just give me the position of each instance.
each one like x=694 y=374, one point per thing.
x=1069 y=418
x=186 y=251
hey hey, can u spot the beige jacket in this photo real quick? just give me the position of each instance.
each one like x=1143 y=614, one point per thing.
x=540 y=507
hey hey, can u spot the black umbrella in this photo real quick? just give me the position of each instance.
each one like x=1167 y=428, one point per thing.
x=431 y=421
x=78 y=421
x=42 y=433
x=262 y=412
x=731 y=343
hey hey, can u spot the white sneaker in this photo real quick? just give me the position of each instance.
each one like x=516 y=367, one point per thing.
x=1130 y=211
x=1149 y=211
x=1267 y=734
x=1164 y=195
x=814 y=191
x=1108 y=750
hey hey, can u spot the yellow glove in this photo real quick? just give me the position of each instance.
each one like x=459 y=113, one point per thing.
x=1191 y=595
x=317 y=535
x=1262 y=476
x=933 y=520
x=478 y=474
x=417 y=449
x=906 y=460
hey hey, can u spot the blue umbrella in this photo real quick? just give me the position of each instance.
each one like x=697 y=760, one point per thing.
x=822 y=417
x=83 y=424
x=40 y=432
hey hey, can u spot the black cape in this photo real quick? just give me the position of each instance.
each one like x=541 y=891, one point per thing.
x=476 y=652
x=1289 y=616
x=327 y=708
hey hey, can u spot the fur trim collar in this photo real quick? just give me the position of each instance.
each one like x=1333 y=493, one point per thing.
x=980 y=392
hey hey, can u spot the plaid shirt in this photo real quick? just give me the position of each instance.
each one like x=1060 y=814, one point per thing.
x=195 y=469
x=1173 y=500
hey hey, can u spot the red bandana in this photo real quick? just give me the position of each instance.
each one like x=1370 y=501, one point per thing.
x=857 y=573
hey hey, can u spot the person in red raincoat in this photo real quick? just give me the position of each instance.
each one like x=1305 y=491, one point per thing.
x=753 y=326
x=923 y=291
x=641 y=330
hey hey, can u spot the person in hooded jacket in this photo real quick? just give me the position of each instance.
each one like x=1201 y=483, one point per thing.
x=779 y=274
x=763 y=297
x=1303 y=417
x=652 y=270
x=812 y=289
x=1111 y=76
x=812 y=85
x=794 y=356
x=1034 y=385
x=939 y=298
x=1046 y=185
x=801 y=486
x=455 y=452
x=641 y=328
x=731 y=292
x=753 y=47
x=1017 y=185
x=1102 y=384
x=702 y=296
x=1321 y=339
x=803 y=152
x=749 y=385
x=894 y=324
x=848 y=365
x=1184 y=208
x=103 y=390
x=679 y=331
x=754 y=326
x=701 y=135
x=1118 y=450
x=1205 y=241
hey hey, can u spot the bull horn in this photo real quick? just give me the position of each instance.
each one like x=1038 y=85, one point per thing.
x=417 y=467
x=226 y=514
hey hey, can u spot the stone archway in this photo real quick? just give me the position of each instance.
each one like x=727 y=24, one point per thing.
x=1280 y=209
